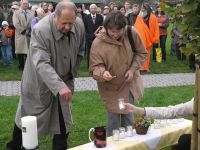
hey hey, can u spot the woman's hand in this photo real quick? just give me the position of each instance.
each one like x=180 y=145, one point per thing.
x=107 y=76
x=129 y=76
x=129 y=108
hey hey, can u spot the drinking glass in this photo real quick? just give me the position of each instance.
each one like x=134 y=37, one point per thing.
x=121 y=103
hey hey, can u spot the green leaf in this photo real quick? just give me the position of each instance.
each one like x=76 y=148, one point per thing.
x=187 y=8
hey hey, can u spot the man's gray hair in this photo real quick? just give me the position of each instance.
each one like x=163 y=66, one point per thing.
x=93 y=5
x=64 y=5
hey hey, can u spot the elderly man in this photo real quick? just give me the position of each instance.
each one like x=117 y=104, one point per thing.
x=22 y=22
x=56 y=50
x=92 y=21
x=45 y=6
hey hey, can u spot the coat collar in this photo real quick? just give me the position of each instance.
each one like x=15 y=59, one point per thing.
x=56 y=33
x=101 y=34
x=27 y=11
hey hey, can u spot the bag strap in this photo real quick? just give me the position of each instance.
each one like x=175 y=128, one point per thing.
x=130 y=37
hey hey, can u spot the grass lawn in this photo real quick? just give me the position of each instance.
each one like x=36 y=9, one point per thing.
x=88 y=112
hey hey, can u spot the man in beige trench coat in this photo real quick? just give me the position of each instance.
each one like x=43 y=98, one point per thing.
x=56 y=50
x=22 y=22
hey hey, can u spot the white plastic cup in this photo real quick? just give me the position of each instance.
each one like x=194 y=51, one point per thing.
x=115 y=136
x=122 y=133
x=156 y=124
x=129 y=131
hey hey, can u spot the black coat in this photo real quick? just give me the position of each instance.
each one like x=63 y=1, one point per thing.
x=90 y=27
x=131 y=18
x=2 y=17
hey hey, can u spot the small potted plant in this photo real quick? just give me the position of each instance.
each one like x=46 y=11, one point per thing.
x=142 y=124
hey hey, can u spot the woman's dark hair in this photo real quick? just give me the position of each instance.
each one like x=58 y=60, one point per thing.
x=115 y=19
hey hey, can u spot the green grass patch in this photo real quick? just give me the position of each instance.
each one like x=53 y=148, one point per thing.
x=88 y=112
x=10 y=73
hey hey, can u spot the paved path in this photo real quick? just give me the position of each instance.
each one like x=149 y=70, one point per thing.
x=12 y=88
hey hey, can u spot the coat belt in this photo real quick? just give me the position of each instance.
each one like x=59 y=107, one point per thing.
x=67 y=77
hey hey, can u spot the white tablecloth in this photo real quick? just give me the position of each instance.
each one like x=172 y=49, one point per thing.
x=154 y=139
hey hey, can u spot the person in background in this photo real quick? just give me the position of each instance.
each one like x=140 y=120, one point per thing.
x=92 y=22
x=34 y=8
x=2 y=18
x=147 y=25
x=111 y=5
x=5 y=42
x=56 y=51
x=10 y=15
x=44 y=6
x=115 y=7
x=163 y=22
x=80 y=12
x=127 y=6
x=178 y=41
x=132 y=16
x=39 y=15
x=14 y=7
x=99 y=10
x=174 y=38
x=85 y=10
x=116 y=77
x=106 y=11
x=22 y=23
x=170 y=112
x=1 y=57
x=50 y=7
x=122 y=10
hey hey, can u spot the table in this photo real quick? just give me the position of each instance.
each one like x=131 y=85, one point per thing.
x=154 y=139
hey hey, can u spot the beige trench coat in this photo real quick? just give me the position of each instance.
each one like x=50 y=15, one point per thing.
x=116 y=57
x=21 y=24
x=50 y=58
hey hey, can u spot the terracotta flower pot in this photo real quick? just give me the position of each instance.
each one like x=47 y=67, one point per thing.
x=141 y=130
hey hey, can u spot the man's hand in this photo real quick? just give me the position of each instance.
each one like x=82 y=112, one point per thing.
x=66 y=93
x=129 y=76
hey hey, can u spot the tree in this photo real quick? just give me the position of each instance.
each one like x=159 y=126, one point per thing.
x=190 y=14
x=5 y=3
x=190 y=23
x=121 y=2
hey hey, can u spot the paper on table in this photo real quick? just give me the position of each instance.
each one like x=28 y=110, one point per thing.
x=90 y=146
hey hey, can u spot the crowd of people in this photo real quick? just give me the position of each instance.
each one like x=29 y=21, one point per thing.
x=151 y=23
x=49 y=43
